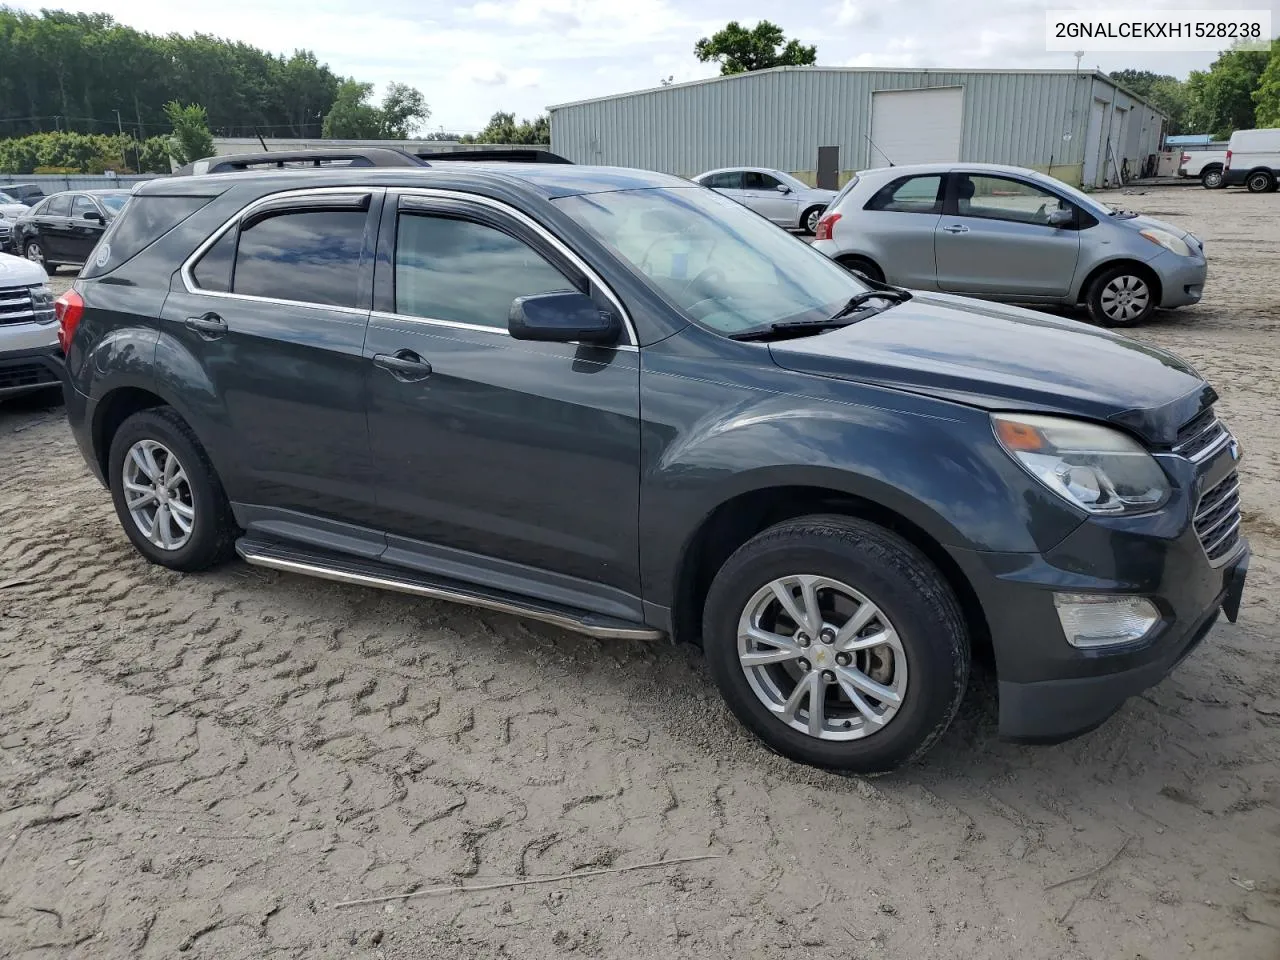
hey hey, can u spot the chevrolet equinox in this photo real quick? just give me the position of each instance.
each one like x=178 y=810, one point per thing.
x=620 y=403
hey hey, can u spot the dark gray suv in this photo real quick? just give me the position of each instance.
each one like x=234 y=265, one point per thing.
x=617 y=402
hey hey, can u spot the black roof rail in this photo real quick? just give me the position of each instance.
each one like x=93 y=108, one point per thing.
x=530 y=155
x=301 y=159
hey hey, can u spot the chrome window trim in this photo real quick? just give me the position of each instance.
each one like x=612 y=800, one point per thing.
x=527 y=221
x=192 y=287
x=188 y=281
x=477 y=328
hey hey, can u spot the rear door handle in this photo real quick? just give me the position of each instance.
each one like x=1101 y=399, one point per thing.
x=956 y=228
x=405 y=365
x=209 y=327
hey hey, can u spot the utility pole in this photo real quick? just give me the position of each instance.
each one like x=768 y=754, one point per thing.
x=119 y=122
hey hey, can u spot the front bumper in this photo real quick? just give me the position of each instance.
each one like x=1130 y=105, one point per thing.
x=1181 y=278
x=26 y=368
x=1050 y=690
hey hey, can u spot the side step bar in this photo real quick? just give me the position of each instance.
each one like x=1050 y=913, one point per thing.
x=371 y=573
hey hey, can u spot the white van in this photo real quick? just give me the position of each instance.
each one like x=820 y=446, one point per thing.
x=1253 y=159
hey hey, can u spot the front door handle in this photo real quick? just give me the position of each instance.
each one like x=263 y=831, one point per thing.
x=209 y=327
x=956 y=228
x=405 y=365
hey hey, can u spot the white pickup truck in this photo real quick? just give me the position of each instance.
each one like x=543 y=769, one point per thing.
x=1205 y=164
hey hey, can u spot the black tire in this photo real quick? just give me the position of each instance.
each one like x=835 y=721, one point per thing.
x=1103 y=309
x=34 y=252
x=863 y=267
x=807 y=227
x=1211 y=178
x=1260 y=181
x=213 y=529
x=899 y=580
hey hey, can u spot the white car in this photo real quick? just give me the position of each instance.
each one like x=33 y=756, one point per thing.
x=11 y=208
x=1253 y=159
x=775 y=195
x=1207 y=165
x=30 y=358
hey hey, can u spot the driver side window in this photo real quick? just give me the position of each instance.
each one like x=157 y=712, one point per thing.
x=751 y=180
x=1001 y=198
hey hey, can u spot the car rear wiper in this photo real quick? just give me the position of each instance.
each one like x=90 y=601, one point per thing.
x=893 y=294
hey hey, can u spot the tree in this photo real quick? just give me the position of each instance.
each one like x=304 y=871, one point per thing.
x=352 y=117
x=1266 y=98
x=404 y=109
x=1222 y=97
x=191 y=139
x=503 y=128
x=1165 y=92
x=739 y=50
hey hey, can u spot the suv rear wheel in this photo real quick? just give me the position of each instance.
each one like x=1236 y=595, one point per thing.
x=837 y=643
x=166 y=493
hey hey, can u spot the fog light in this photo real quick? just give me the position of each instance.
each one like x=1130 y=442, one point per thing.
x=1100 y=620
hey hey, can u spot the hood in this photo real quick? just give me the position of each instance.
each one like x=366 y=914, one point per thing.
x=1148 y=223
x=12 y=211
x=1006 y=358
x=17 y=272
x=814 y=193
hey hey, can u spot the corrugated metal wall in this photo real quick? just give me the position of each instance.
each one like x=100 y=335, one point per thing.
x=779 y=118
x=57 y=182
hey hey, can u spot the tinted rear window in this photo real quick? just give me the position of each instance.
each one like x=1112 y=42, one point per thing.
x=142 y=222
x=311 y=256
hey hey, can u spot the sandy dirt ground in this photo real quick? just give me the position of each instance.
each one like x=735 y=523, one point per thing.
x=205 y=766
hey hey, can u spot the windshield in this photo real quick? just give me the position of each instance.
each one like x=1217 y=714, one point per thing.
x=114 y=202
x=719 y=263
x=5 y=198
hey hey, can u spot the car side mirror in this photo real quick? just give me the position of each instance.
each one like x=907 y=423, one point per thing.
x=1061 y=218
x=93 y=215
x=565 y=317
x=783 y=188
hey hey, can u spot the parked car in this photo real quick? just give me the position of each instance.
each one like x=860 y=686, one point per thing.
x=1253 y=159
x=29 y=355
x=780 y=197
x=614 y=402
x=10 y=207
x=1207 y=165
x=1010 y=234
x=27 y=194
x=63 y=229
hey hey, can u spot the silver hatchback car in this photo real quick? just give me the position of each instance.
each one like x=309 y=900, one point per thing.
x=1011 y=234
x=775 y=195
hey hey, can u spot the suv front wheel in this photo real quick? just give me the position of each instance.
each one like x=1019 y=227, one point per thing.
x=837 y=643
x=166 y=493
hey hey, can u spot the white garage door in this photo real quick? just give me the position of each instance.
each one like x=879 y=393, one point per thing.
x=916 y=126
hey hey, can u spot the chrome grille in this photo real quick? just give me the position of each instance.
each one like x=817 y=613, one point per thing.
x=16 y=305
x=1202 y=437
x=1217 y=519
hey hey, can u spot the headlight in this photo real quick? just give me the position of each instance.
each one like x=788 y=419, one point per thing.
x=42 y=303
x=1171 y=242
x=1094 y=467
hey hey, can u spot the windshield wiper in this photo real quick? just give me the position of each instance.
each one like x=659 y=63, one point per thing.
x=892 y=294
x=790 y=326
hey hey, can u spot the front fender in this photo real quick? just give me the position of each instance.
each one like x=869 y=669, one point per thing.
x=932 y=463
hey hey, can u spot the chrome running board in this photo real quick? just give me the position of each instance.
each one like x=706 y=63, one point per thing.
x=371 y=573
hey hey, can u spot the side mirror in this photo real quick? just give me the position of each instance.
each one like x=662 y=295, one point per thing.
x=783 y=188
x=565 y=317
x=1061 y=218
x=93 y=215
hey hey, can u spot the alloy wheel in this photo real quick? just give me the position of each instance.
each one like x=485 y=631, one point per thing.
x=822 y=657
x=811 y=222
x=1125 y=298
x=35 y=254
x=158 y=495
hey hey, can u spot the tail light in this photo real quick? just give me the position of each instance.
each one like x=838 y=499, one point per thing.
x=68 y=308
x=825 y=226
x=1186 y=158
x=1226 y=164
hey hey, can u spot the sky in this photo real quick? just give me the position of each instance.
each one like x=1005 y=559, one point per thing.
x=473 y=57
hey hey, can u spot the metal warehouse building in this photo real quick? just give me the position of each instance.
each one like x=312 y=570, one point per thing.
x=823 y=123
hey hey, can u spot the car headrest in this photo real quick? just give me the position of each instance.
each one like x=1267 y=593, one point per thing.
x=965 y=189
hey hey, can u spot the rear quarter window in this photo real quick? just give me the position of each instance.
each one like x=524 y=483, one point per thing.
x=143 y=221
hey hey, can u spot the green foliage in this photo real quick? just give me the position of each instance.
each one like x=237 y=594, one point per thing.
x=354 y=117
x=1222 y=96
x=75 y=71
x=503 y=128
x=191 y=138
x=739 y=50
x=1266 y=98
x=84 y=153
